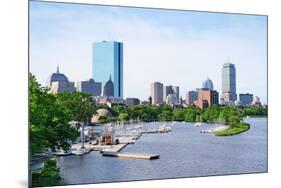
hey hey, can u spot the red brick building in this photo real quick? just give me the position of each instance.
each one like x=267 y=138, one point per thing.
x=206 y=98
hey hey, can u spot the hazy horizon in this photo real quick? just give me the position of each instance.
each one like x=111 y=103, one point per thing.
x=180 y=48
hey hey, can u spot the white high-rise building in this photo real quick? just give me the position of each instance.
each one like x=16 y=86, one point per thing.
x=229 y=83
x=156 y=91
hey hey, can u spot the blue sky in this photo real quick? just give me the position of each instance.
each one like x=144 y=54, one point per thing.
x=174 y=47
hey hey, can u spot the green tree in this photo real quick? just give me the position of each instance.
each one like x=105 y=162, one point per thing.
x=123 y=117
x=104 y=119
x=48 y=121
x=190 y=115
x=80 y=105
x=179 y=114
x=165 y=115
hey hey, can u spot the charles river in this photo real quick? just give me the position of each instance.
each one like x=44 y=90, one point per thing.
x=184 y=152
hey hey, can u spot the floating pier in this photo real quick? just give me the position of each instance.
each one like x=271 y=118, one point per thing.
x=131 y=155
x=114 y=148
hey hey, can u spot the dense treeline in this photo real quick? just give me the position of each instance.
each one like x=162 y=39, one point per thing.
x=222 y=114
x=228 y=115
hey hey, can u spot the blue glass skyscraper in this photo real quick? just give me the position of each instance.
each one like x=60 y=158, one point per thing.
x=108 y=61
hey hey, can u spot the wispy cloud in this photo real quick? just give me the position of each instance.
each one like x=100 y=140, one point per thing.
x=174 y=47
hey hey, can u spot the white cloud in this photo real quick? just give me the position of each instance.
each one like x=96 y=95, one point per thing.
x=152 y=52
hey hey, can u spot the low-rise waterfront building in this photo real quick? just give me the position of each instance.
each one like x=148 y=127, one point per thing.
x=109 y=101
x=132 y=101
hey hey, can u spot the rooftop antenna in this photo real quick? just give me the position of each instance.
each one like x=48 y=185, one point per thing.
x=228 y=61
x=58 y=69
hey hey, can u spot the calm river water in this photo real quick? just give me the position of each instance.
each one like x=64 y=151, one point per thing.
x=184 y=152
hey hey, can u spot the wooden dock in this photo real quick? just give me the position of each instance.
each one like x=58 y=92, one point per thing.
x=131 y=155
x=114 y=148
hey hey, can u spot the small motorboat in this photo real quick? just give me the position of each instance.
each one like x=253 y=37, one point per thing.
x=197 y=124
x=164 y=129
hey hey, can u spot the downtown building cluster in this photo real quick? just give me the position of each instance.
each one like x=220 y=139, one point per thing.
x=106 y=84
x=205 y=96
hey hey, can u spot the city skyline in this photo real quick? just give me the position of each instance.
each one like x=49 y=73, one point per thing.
x=185 y=39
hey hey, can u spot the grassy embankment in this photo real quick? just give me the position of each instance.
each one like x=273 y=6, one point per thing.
x=234 y=129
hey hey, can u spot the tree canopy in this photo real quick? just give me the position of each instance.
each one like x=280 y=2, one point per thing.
x=48 y=121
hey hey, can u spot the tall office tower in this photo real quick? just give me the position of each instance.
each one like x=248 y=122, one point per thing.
x=191 y=96
x=90 y=86
x=108 y=60
x=176 y=90
x=229 y=83
x=167 y=90
x=156 y=90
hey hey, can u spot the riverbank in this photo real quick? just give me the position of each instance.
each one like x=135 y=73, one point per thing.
x=234 y=129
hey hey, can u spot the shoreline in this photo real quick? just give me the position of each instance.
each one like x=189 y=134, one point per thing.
x=234 y=129
x=221 y=130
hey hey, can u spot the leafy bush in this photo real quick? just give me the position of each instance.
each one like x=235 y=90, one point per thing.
x=48 y=176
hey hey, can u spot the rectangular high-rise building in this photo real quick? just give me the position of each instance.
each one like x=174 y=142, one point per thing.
x=176 y=90
x=191 y=96
x=90 y=86
x=156 y=91
x=246 y=99
x=229 y=83
x=167 y=90
x=108 y=61
x=171 y=90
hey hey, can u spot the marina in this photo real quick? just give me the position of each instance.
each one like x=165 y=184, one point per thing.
x=104 y=143
x=180 y=155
